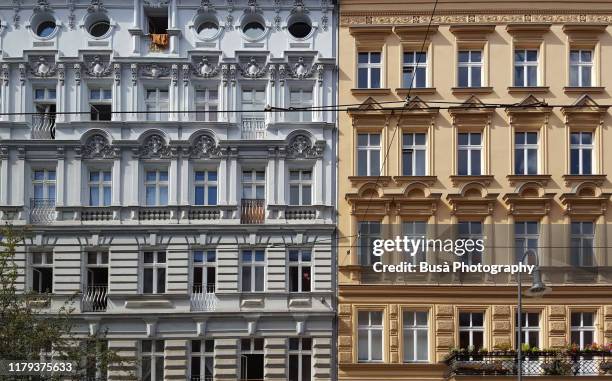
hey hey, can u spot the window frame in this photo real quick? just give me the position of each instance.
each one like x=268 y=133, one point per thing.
x=580 y=64
x=209 y=260
x=300 y=264
x=251 y=114
x=370 y=149
x=158 y=184
x=203 y=356
x=471 y=65
x=300 y=116
x=155 y=268
x=154 y=107
x=369 y=329
x=415 y=328
x=471 y=328
x=579 y=261
x=525 y=64
x=252 y=265
x=154 y=356
x=581 y=148
x=253 y=182
x=582 y=328
x=469 y=148
x=369 y=66
x=409 y=229
x=101 y=100
x=369 y=237
x=300 y=353
x=252 y=350
x=415 y=65
x=524 y=149
x=527 y=239
x=46 y=183
x=467 y=257
x=47 y=262
x=101 y=185
x=205 y=184
x=526 y=328
x=414 y=147
x=301 y=183
x=206 y=109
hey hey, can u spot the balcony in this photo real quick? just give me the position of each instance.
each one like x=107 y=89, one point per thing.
x=252 y=211
x=159 y=42
x=43 y=126
x=95 y=298
x=253 y=128
x=203 y=298
x=42 y=210
x=468 y=366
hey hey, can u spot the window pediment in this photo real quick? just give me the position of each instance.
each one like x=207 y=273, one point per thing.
x=577 y=205
x=528 y=31
x=583 y=32
x=522 y=205
x=472 y=206
x=472 y=32
x=415 y=33
x=370 y=37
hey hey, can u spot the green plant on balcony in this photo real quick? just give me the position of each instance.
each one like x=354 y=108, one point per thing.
x=483 y=368
x=558 y=366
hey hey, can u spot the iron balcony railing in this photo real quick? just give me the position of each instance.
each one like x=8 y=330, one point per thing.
x=203 y=297
x=42 y=210
x=252 y=211
x=535 y=363
x=43 y=126
x=95 y=298
x=253 y=128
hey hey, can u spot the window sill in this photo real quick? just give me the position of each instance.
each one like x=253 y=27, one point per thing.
x=541 y=179
x=403 y=91
x=573 y=179
x=472 y=90
x=380 y=91
x=428 y=180
x=528 y=89
x=581 y=90
x=360 y=180
x=485 y=180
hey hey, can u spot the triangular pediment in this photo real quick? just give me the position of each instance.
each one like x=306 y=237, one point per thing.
x=416 y=104
x=531 y=100
x=370 y=104
x=585 y=101
x=472 y=101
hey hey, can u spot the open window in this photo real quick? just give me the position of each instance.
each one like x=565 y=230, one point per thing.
x=42 y=272
x=252 y=359
x=157 y=28
x=100 y=103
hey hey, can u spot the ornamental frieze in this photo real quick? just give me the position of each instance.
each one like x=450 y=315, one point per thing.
x=358 y=18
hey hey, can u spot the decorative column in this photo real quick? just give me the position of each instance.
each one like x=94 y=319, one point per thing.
x=186 y=70
x=233 y=175
x=60 y=96
x=116 y=89
x=271 y=177
x=21 y=152
x=223 y=174
x=282 y=181
x=75 y=193
x=173 y=176
x=21 y=105
x=5 y=89
x=77 y=93
x=4 y=175
x=60 y=181
x=173 y=32
x=134 y=91
x=183 y=159
x=318 y=95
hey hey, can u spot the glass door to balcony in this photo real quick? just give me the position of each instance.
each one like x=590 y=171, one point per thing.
x=253 y=122
x=95 y=296
x=253 y=197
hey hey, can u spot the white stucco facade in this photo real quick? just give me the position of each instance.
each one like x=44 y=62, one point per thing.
x=114 y=153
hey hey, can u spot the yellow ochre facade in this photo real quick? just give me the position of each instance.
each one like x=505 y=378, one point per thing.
x=503 y=135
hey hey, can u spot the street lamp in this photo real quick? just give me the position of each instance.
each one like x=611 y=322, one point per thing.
x=538 y=288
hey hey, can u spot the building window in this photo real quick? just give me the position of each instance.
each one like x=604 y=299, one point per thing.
x=156 y=104
x=583 y=237
x=414 y=70
x=370 y=336
x=252 y=359
x=471 y=330
x=526 y=67
x=100 y=104
x=415 y=230
x=253 y=184
x=300 y=99
x=206 y=105
x=368 y=70
x=300 y=276
x=526 y=237
x=416 y=346
x=45 y=100
x=300 y=355
x=581 y=153
x=156 y=187
x=300 y=187
x=42 y=272
x=526 y=153
x=581 y=68
x=204 y=271
x=152 y=360
x=202 y=360
x=470 y=68
x=368 y=154
x=100 y=185
x=414 y=149
x=43 y=182
x=469 y=154
x=583 y=329
x=471 y=230
x=205 y=183
x=369 y=231
x=154 y=272
x=253 y=103
x=530 y=322
x=253 y=265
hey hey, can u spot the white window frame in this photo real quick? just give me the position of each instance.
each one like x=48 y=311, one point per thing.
x=209 y=260
x=469 y=148
x=369 y=66
x=46 y=183
x=411 y=325
x=581 y=65
x=367 y=237
x=101 y=99
x=155 y=107
x=49 y=99
x=252 y=350
x=203 y=355
x=581 y=147
x=250 y=114
x=301 y=352
x=367 y=330
x=524 y=150
x=583 y=237
x=46 y=261
x=471 y=65
x=300 y=116
x=154 y=356
x=411 y=149
x=467 y=257
x=414 y=66
x=525 y=64
x=370 y=149
x=253 y=183
x=526 y=329
x=300 y=264
x=158 y=184
x=155 y=268
x=206 y=107
x=301 y=182
x=101 y=185
x=206 y=184
x=415 y=230
x=471 y=328
x=581 y=329
x=252 y=265
x=525 y=240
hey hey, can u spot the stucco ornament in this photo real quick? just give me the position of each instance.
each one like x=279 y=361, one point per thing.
x=155 y=71
x=205 y=69
x=96 y=68
x=301 y=147
x=42 y=68
x=96 y=6
x=204 y=147
x=301 y=70
x=97 y=147
x=253 y=69
x=156 y=3
x=155 y=147
x=206 y=6
x=42 y=6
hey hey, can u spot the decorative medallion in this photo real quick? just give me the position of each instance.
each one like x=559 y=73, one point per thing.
x=97 y=147
x=204 y=69
x=96 y=6
x=301 y=147
x=204 y=147
x=42 y=6
x=252 y=7
x=206 y=7
x=117 y=72
x=155 y=147
x=42 y=68
x=252 y=69
x=98 y=69
x=301 y=70
x=155 y=71
x=298 y=7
